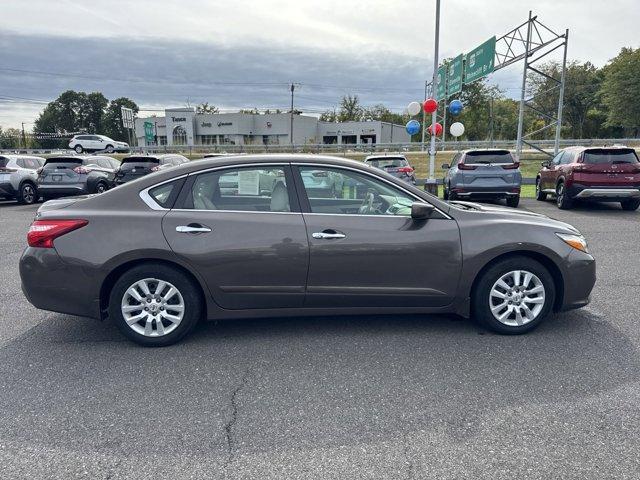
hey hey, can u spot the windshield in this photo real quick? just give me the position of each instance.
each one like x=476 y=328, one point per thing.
x=622 y=155
x=494 y=157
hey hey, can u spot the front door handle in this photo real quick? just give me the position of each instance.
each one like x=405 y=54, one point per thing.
x=192 y=228
x=328 y=235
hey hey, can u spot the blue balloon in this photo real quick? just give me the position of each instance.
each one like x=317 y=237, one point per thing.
x=455 y=107
x=413 y=127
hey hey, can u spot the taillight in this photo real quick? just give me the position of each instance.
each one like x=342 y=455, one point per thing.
x=512 y=166
x=463 y=166
x=405 y=169
x=156 y=168
x=81 y=170
x=42 y=233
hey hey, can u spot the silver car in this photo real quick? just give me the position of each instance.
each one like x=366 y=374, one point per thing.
x=18 y=177
x=483 y=175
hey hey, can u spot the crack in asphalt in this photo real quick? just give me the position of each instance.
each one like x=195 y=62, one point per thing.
x=228 y=428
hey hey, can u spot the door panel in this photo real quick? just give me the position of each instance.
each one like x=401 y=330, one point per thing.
x=384 y=261
x=249 y=260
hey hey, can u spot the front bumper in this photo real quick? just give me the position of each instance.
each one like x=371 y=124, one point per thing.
x=50 y=284
x=579 y=279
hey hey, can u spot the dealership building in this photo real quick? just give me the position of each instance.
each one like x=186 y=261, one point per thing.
x=183 y=126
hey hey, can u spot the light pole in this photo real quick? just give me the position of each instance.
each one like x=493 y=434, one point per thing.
x=293 y=87
x=431 y=185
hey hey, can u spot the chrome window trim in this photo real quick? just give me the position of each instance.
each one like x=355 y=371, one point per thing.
x=371 y=174
x=148 y=199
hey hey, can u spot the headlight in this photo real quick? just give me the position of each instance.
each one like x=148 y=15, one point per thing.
x=576 y=241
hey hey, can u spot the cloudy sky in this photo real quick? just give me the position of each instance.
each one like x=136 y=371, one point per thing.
x=242 y=54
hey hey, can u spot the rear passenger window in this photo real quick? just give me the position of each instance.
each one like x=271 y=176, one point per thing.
x=163 y=194
x=241 y=189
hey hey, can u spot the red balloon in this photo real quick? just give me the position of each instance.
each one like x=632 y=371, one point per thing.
x=430 y=105
x=438 y=129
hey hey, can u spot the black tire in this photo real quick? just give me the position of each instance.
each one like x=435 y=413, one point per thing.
x=189 y=290
x=630 y=205
x=453 y=196
x=110 y=149
x=27 y=194
x=101 y=187
x=445 y=192
x=513 y=201
x=563 y=201
x=480 y=297
x=78 y=149
x=540 y=195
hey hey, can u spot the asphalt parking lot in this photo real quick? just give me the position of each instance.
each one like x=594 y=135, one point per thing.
x=371 y=397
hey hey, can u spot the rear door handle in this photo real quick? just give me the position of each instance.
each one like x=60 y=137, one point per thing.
x=192 y=228
x=326 y=235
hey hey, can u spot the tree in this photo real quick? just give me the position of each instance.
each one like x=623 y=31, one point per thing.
x=329 y=116
x=621 y=91
x=113 y=118
x=10 y=138
x=92 y=110
x=205 y=108
x=350 y=109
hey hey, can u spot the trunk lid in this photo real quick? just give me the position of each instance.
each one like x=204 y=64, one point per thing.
x=491 y=168
x=58 y=171
x=136 y=167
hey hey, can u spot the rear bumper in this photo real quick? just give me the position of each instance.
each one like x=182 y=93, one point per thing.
x=62 y=189
x=41 y=270
x=604 y=193
x=486 y=192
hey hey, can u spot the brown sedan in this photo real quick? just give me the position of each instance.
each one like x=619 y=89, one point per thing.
x=292 y=235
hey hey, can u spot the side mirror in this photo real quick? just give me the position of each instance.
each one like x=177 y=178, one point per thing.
x=421 y=211
x=446 y=166
x=546 y=164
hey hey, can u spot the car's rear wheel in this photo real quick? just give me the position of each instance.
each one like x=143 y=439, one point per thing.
x=513 y=296
x=540 y=195
x=78 y=149
x=445 y=191
x=155 y=305
x=101 y=187
x=630 y=205
x=27 y=194
x=563 y=200
x=513 y=201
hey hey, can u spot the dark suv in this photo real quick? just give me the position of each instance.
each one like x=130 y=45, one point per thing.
x=76 y=175
x=602 y=174
x=137 y=166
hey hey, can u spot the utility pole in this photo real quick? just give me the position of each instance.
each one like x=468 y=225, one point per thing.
x=293 y=87
x=556 y=144
x=523 y=90
x=431 y=185
x=424 y=116
x=24 y=138
x=491 y=122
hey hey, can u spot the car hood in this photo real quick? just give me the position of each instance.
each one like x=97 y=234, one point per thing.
x=507 y=213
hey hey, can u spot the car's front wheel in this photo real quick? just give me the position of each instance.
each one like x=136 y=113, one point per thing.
x=540 y=195
x=513 y=296
x=155 y=305
x=78 y=149
x=110 y=149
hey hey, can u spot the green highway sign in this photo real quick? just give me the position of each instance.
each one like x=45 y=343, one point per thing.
x=454 y=76
x=442 y=85
x=479 y=61
x=149 y=132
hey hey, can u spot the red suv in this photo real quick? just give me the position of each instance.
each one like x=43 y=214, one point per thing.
x=603 y=174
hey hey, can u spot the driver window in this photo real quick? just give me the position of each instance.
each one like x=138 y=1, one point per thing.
x=557 y=159
x=345 y=192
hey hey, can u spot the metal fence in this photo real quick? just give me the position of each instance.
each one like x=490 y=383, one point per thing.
x=347 y=149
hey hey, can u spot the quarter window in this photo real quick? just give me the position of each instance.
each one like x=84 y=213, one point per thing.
x=241 y=189
x=344 y=192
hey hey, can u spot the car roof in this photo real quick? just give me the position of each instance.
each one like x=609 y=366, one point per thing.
x=486 y=150
x=581 y=148
x=16 y=157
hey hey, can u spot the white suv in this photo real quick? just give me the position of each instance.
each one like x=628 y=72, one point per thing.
x=96 y=143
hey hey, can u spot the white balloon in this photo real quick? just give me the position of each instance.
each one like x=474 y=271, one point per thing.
x=413 y=108
x=456 y=129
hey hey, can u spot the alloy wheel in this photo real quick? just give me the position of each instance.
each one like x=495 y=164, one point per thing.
x=152 y=307
x=28 y=194
x=517 y=298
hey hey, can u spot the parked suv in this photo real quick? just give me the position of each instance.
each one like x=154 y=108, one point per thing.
x=76 y=175
x=483 y=174
x=96 y=143
x=602 y=174
x=396 y=165
x=138 y=166
x=18 y=177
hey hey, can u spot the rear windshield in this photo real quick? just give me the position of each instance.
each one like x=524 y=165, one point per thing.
x=140 y=160
x=499 y=157
x=388 y=162
x=619 y=155
x=53 y=163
